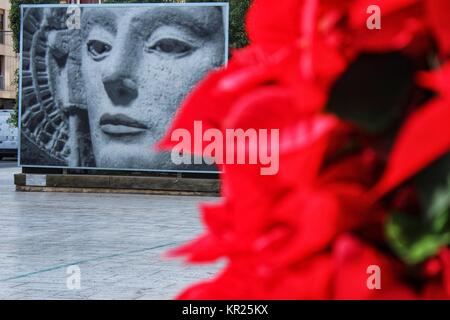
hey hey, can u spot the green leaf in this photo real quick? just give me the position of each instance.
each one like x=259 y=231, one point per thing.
x=374 y=91
x=433 y=187
x=415 y=240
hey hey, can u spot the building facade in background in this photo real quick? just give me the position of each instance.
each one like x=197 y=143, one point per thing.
x=9 y=60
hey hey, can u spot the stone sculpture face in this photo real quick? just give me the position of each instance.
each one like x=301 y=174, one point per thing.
x=137 y=65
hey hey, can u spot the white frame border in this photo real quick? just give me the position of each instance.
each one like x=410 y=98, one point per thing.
x=226 y=11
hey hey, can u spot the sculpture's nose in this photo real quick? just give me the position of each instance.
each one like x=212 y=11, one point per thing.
x=121 y=89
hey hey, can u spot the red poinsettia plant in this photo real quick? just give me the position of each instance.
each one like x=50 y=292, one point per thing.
x=363 y=185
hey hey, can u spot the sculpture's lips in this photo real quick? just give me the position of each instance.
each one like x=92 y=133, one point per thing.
x=120 y=124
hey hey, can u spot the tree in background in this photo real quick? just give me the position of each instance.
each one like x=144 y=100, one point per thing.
x=238 y=37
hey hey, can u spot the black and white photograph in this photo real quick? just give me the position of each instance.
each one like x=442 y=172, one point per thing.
x=100 y=84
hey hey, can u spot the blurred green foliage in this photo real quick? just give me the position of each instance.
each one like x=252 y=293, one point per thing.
x=417 y=238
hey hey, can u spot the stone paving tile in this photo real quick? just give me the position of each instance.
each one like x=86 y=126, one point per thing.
x=117 y=241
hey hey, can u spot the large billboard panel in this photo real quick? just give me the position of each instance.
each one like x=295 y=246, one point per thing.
x=100 y=84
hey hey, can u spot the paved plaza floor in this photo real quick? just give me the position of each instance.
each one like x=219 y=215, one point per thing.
x=94 y=246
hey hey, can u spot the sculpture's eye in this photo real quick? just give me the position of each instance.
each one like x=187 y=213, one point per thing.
x=98 y=49
x=172 y=47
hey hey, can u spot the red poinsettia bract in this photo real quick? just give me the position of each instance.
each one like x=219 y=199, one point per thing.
x=313 y=230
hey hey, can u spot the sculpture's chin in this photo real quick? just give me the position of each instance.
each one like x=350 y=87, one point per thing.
x=133 y=158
